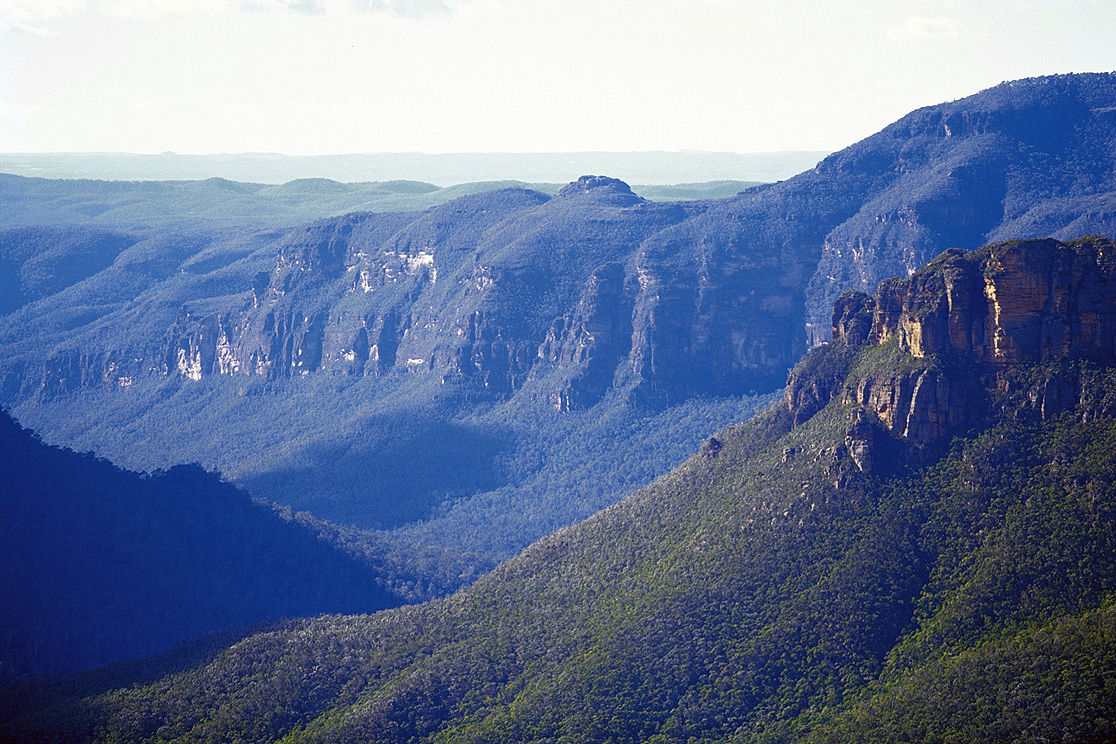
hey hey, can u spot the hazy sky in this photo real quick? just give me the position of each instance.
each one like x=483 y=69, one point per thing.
x=339 y=76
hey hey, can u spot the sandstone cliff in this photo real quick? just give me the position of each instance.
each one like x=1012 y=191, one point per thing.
x=1031 y=322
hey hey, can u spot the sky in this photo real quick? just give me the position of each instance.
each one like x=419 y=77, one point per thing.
x=305 y=77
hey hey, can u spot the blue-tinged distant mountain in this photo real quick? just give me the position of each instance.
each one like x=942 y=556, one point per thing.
x=351 y=421
x=918 y=544
x=102 y=564
x=1029 y=158
x=432 y=372
x=214 y=202
x=445 y=169
x=219 y=203
x=719 y=295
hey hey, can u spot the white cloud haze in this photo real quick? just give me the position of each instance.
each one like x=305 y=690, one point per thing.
x=319 y=76
x=920 y=27
x=404 y=8
x=41 y=16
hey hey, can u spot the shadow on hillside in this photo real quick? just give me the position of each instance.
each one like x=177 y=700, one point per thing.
x=397 y=470
x=61 y=696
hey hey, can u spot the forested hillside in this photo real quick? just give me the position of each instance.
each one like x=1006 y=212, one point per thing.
x=918 y=543
x=102 y=564
x=352 y=443
x=325 y=366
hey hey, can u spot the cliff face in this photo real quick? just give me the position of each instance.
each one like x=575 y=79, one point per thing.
x=1008 y=303
x=597 y=289
x=584 y=348
x=1027 y=320
x=490 y=293
x=713 y=318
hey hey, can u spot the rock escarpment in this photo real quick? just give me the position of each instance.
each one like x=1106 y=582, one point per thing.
x=584 y=348
x=1031 y=321
x=1009 y=303
x=490 y=293
x=595 y=290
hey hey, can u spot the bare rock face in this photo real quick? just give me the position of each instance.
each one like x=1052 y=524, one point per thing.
x=1044 y=303
x=818 y=378
x=853 y=314
x=711 y=319
x=1004 y=306
x=1008 y=303
x=860 y=441
x=200 y=347
x=923 y=406
x=583 y=349
x=1028 y=321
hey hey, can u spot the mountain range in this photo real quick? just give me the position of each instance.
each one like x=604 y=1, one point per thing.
x=448 y=386
x=917 y=543
x=218 y=202
x=357 y=340
x=444 y=169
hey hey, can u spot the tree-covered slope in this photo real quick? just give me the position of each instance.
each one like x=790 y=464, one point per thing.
x=320 y=364
x=348 y=381
x=829 y=571
x=102 y=564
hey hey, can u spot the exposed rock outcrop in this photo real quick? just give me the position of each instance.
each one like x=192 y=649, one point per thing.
x=1007 y=303
x=583 y=349
x=922 y=406
x=1030 y=321
x=601 y=187
x=712 y=447
x=860 y=440
x=853 y=316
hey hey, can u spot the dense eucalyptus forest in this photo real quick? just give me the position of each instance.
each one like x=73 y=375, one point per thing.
x=830 y=459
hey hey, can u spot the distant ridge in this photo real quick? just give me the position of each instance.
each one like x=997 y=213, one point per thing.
x=218 y=202
x=445 y=169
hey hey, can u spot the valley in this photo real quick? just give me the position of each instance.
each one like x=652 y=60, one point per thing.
x=825 y=459
x=312 y=364
x=815 y=574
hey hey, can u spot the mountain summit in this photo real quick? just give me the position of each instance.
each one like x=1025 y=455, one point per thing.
x=600 y=186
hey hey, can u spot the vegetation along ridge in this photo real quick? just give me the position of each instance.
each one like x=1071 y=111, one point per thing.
x=917 y=543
